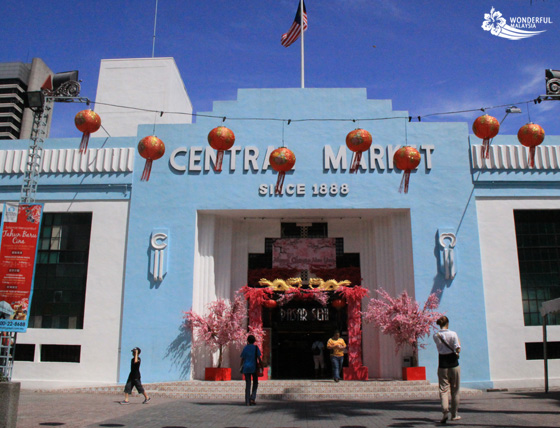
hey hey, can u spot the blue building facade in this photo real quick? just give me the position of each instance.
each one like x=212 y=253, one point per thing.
x=190 y=230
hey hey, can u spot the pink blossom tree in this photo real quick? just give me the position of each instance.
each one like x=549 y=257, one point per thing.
x=223 y=325
x=402 y=318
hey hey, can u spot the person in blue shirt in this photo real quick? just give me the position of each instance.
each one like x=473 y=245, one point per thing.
x=250 y=364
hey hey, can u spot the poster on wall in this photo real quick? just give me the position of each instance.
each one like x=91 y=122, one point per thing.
x=304 y=253
x=18 y=250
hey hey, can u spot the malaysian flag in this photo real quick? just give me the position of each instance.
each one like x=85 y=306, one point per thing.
x=295 y=30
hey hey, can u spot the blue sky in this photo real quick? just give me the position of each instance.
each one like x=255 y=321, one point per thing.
x=430 y=56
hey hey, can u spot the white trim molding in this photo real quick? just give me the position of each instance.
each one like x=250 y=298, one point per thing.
x=64 y=161
x=515 y=157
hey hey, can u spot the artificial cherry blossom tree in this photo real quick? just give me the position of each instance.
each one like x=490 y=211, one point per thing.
x=402 y=318
x=223 y=325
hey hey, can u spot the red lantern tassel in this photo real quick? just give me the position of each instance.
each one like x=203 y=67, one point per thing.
x=84 y=142
x=532 y=152
x=219 y=158
x=404 y=181
x=147 y=170
x=356 y=159
x=486 y=148
x=279 y=183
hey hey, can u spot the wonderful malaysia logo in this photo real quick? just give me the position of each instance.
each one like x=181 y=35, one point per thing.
x=519 y=26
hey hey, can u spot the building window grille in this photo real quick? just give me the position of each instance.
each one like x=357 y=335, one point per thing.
x=61 y=271
x=538 y=250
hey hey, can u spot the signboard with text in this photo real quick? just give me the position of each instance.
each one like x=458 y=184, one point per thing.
x=304 y=253
x=18 y=250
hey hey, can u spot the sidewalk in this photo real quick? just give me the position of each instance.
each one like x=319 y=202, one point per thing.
x=515 y=408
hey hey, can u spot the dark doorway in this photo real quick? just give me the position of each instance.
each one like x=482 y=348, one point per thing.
x=294 y=328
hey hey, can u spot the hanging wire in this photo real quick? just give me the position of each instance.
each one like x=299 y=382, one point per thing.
x=528 y=112
x=419 y=118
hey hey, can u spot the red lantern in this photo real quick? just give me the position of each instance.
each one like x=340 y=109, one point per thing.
x=486 y=127
x=88 y=122
x=281 y=160
x=359 y=141
x=270 y=304
x=150 y=148
x=338 y=304
x=531 y=135
x=406 y=158
x=220 y=139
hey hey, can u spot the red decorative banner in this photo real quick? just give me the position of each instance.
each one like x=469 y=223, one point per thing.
x=18 y=250
x=308 y=253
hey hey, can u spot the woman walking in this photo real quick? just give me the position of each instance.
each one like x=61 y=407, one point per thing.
x=250 y=363
x=449 y=372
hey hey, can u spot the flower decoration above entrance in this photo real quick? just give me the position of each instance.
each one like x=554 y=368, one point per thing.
x=259 y=297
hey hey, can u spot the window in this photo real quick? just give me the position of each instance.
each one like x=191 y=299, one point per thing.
x=61 y=271
x=535 y=350
x=60 y=353
x=538 y=250
x=24 y=352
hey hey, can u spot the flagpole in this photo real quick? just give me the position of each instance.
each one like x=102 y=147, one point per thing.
x=302 y=52
x=154 y=38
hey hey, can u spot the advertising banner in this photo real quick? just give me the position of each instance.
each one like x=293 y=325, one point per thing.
x=18 y=250
x=306 y=253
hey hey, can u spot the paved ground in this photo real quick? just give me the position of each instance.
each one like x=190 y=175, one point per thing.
x=519 y=408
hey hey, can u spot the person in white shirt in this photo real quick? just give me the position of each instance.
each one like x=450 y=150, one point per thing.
x=449 y=372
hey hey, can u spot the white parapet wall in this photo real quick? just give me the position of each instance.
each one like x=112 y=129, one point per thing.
x=140 y=84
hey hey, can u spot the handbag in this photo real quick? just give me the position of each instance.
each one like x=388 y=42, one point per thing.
x=447 y=344
x=260 y=369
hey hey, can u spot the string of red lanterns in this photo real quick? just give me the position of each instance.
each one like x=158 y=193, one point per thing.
x=88 y=122
x=221 y=139
x=359 y=141
x=150 y=148
x=406 y=159
x=486 y=127
x=282 y=160
x=531 y=135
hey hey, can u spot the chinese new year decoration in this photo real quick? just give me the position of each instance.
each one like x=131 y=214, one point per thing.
x=338 y=304
x=531 y=135
x=406 y=159
x=281 y=160
x=88 y=122
x=359 y=140
x=486 y=127
x=270 y=303
x=150 y=148
x=221 y=139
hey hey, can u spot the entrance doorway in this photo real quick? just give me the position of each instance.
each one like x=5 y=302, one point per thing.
x=294 y=328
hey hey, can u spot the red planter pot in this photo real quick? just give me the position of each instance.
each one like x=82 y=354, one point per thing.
x=414 y=373
x=265 y=374
x=211 y=373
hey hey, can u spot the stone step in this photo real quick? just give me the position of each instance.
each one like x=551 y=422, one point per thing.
x=287 y=390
